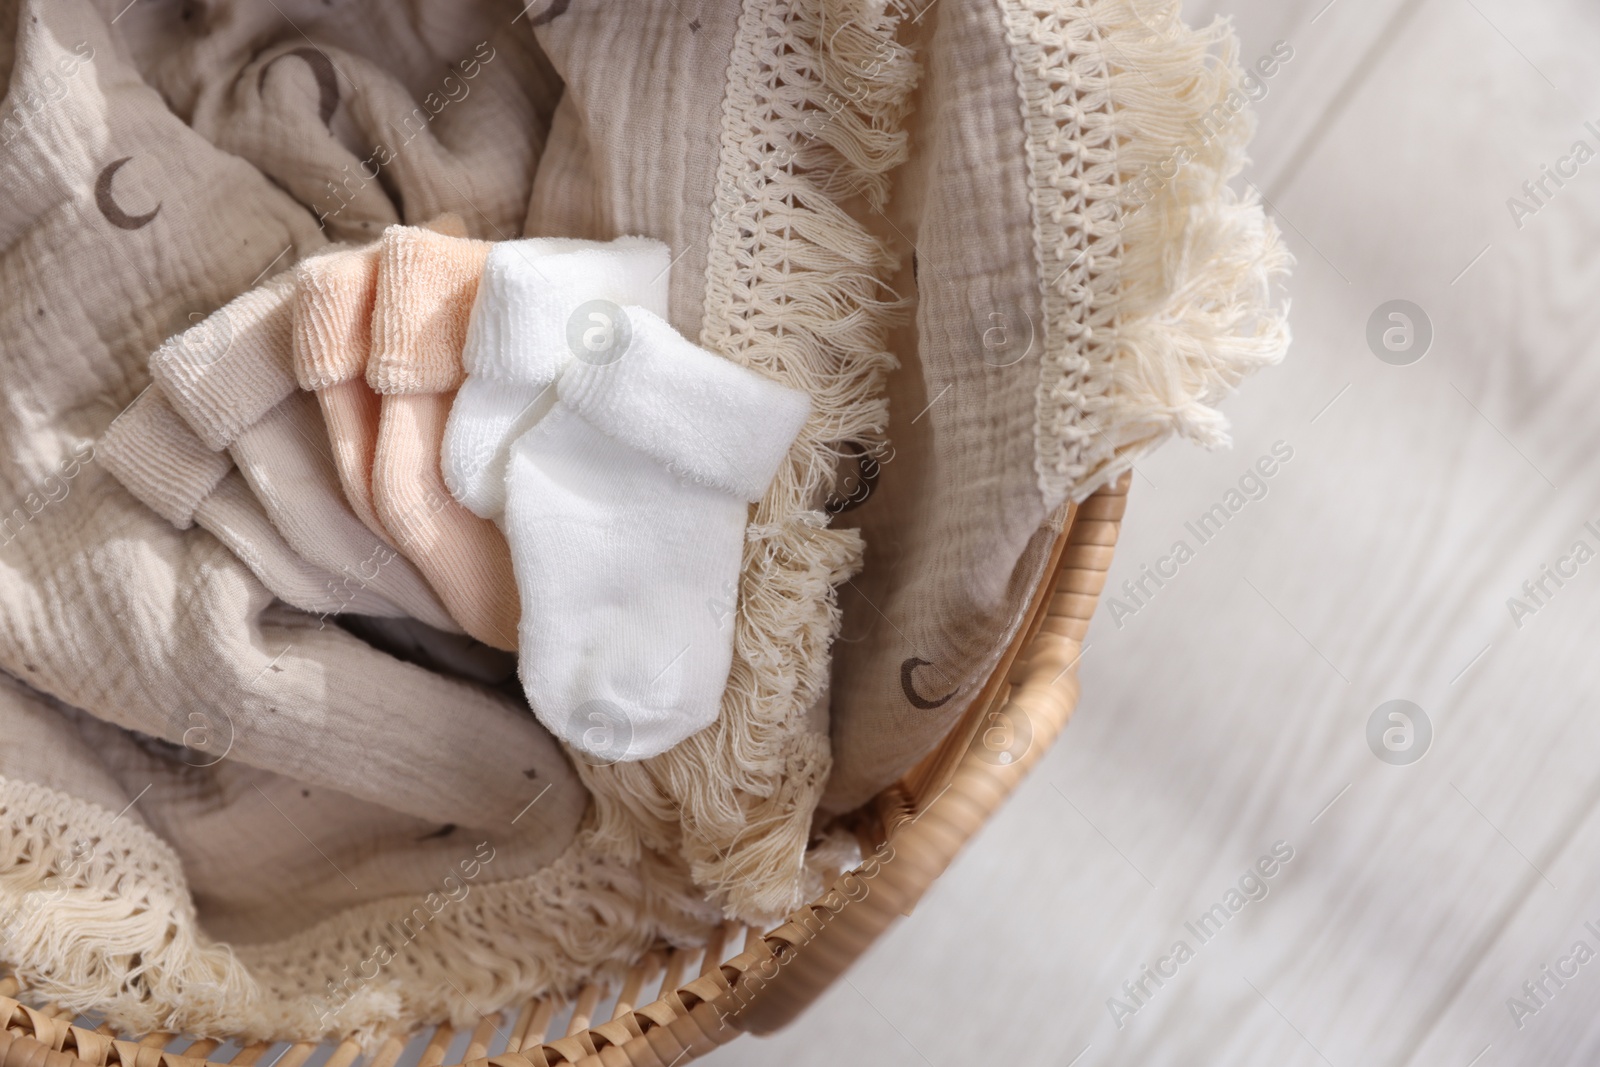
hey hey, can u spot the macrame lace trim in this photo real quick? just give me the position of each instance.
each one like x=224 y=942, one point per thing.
x=1156 y=277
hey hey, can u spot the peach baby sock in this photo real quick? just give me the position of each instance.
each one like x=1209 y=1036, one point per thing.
x=426 y=284
x=332 y=339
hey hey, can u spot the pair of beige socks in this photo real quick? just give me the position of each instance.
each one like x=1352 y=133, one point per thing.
x=357 y=515
x=378 y=334
x=158 y=458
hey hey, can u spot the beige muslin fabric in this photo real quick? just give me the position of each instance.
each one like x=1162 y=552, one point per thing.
x=1076 y=305
x=159 y=166
x=366 y=114
x=952 y=516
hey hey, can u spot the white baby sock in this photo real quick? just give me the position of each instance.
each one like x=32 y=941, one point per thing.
x=626 y=511
x=519 y=338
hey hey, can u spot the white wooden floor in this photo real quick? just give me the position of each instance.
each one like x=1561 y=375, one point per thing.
x=1231 y=711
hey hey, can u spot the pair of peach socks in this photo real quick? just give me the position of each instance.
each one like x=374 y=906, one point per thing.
x=378 y=334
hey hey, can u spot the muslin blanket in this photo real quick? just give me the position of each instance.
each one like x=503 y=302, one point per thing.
x=223 y=815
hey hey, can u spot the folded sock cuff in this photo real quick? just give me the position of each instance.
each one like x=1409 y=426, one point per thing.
x=158 y=458
x=333 y=315
x=531 y=288
x=226 y=372
x=427 y=282
x=704 y=417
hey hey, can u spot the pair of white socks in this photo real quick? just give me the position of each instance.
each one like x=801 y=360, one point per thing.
x=620 y=460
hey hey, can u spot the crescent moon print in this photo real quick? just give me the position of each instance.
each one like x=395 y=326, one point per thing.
x=908 y=682
x=321 y=69
x=108 y=205
x=559 y=7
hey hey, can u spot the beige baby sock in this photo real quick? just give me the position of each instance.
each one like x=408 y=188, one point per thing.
x=332 y=338
x=154 y=454
x=231 y=378
x=426 y=284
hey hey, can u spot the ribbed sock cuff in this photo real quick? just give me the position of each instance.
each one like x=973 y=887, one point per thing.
x=427 y=282
x=532 y=288
x=158 y=458
x=333 y=315
x=223 y=374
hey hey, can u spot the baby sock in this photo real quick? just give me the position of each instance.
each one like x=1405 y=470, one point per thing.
x=155 y=455
x=332 y=338
x=235 y=517
x=529 y=299
x=231 y=379
x=626 y=509
x=426 y=285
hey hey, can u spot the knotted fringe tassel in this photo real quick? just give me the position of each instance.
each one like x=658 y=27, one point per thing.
x=1157 y=276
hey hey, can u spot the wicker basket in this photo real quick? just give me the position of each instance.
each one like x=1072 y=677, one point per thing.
x=745 y=985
